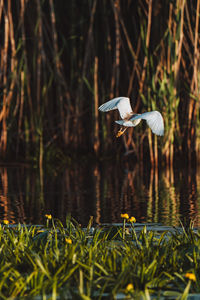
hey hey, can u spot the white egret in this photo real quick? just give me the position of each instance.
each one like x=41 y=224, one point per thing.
x=129 y=119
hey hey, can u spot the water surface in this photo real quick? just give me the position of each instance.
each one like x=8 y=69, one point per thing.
x=100 y=189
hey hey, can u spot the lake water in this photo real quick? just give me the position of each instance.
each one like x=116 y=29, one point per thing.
x=103 y=190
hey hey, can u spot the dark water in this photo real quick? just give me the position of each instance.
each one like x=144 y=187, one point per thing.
x=103 y=190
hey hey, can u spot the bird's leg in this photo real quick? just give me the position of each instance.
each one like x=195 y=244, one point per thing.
x=121 y=131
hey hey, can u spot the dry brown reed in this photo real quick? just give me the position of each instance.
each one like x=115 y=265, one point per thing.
x=60 y=60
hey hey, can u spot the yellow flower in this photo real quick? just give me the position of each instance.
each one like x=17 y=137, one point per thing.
x=49 y=217
x=190 y=276
x=6 y=222
x=132 y=220
x=124 y=216
x=129 y=287
x=68 y=241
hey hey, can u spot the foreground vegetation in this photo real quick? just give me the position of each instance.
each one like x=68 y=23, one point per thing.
x=97 y=263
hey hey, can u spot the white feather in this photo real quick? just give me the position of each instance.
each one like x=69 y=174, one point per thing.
x=154 y=119
x=120 y=103
x=125 y=123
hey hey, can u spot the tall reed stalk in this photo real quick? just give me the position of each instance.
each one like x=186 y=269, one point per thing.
x=59 y=61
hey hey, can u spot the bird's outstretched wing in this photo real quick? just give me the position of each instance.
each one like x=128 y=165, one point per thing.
x=154 y=120
x=120 y=103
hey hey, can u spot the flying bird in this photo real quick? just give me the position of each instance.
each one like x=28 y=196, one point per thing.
x=129 y=119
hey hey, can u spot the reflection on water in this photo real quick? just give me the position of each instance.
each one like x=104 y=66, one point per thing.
x=103 y=190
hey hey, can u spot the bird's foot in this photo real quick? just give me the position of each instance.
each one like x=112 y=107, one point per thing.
x=120 y=132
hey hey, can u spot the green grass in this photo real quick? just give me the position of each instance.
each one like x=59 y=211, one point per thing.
x=97 y=262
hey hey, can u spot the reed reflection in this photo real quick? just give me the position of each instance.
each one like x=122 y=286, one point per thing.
x=19 y=199
x=145 y=193
x=103 y=190
x=4 y=200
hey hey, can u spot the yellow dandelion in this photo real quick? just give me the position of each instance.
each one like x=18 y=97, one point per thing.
x=40 y=231
x=68 y=241
x=49 y=217
x=125 y=216
x=6 y=222
x=132 y=220
x=129 y=287
x=190 y=276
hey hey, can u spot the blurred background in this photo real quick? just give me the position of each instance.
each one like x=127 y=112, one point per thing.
x=59 y=61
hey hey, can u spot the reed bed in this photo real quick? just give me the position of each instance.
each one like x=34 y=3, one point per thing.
x=104 y=262
x=59 y=60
